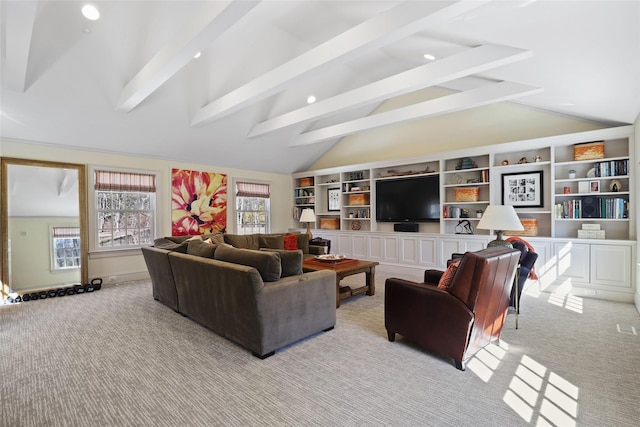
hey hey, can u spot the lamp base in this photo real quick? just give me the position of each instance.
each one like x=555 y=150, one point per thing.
x=309 y=231
x=499 y=243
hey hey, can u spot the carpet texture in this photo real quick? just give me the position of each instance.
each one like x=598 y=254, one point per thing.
x=116 y=357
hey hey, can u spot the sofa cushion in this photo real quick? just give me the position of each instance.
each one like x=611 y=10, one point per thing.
x=170 y=245
x=290 y=242
x=200 y=248
x=447 y=277
x=271 y=241
x=268 y=264
x=246 y=241
x=303 y=242
x=291 y=261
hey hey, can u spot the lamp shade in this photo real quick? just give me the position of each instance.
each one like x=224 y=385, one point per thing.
x=307 y=215
x=500 y=218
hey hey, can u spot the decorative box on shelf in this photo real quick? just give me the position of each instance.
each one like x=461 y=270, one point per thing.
x=530 y=228
x=588 y=151
x=358 y=199
x=469 y=194
x=329 y=223
x=306 y=182
x=591 y=231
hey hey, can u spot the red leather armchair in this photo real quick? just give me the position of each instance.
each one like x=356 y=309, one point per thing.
x=457 y=322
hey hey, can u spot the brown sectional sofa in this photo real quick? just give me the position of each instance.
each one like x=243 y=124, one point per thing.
x=257 y=297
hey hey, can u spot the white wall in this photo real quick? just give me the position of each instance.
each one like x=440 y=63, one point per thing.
x=132 y=266
x=493 y=124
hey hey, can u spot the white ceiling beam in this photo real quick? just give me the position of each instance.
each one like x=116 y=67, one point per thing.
x=395 y=24
x=493 y=93
x=216 y=18
x=20 y=17
x=469 y=62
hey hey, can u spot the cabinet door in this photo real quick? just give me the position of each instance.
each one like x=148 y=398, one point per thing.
x=390 y=244
x=572 y=261
x=359 y=246
x=611 y=265
x=448 y=246
x=408 y=250
x=345 y=245
x=376 y=247
x=428 y=252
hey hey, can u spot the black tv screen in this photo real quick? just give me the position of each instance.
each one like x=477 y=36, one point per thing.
x=408 y=199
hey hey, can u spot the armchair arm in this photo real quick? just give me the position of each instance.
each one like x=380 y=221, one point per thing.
x=432 y=277
x=316 y=250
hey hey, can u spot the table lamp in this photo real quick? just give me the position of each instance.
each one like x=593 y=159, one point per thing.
x=500 y=218
x=308 y=216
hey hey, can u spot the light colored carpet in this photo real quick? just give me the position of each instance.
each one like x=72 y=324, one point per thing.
x=116 y=357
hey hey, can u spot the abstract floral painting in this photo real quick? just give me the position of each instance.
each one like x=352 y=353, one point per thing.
x=198 y=202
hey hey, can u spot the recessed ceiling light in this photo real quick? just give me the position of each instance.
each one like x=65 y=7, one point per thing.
x=429 y=56
x=311 y=99
x=90 y=12
x=197 y=55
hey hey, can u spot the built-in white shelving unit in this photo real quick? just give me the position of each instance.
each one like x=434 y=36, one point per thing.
x=473 y=178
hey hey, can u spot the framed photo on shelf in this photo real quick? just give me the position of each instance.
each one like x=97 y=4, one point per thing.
x=594 y=186
x=522 y=190
x=333 y=198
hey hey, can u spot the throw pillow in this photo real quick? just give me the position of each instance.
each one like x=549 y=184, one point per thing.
x=447 y=276
x=291 y=242
x=291 y=261
x=200 y=248
x=216 y=238
x=271 y=242
x=163 y=243
x=267 y=263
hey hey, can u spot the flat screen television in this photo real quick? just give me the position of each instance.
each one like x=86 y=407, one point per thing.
x=415 y=199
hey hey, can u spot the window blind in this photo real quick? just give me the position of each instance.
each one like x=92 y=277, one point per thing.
x=252 y=189
x=66 y=231
x=124 y=181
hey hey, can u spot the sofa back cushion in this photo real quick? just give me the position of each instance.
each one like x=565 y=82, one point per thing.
x=271 y=241
x=303 y=242
x=291 y=261
x=267 y=263
x=244 y=241
x=200 y=248
x=170 y=245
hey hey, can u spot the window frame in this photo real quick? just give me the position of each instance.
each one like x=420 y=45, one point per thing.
x=53 y=247
x=94 y=248
x=236 y=212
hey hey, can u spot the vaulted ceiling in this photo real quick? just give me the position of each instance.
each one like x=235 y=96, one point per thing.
x=129 y=83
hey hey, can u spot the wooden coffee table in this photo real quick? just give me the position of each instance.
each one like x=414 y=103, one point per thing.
x=344 y=268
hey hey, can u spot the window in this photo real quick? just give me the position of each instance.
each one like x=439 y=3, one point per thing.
x=252 y=208
x=125 y=209
x=65 y=247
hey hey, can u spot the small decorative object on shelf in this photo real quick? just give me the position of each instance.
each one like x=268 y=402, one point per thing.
x=537 y=158
x=466 y=163
x=572 y=173
x=522 y=160
x=505 y=162
x=464 y=227
x=615 y=185
x=356 y=225
x=479 y=213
